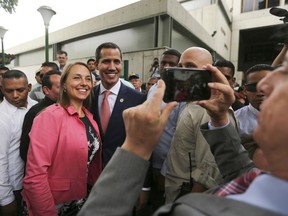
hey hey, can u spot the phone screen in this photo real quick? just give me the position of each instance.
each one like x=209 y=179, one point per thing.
x=186 y=84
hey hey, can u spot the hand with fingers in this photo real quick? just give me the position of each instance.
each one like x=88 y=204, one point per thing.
x=222 y=96
x=145 y=123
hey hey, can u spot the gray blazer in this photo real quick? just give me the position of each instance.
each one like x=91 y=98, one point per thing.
x=231 y=157
x=118 y=187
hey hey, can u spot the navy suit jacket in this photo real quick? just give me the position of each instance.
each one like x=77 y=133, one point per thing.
x=115 y=132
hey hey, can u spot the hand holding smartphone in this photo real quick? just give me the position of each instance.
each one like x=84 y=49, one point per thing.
x=186 y=84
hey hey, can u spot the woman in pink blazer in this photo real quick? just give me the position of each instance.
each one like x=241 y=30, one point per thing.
x=64 y=157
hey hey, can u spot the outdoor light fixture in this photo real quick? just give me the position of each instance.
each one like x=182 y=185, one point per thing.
x=280 y=12
x=2 y=33
x=46 y=13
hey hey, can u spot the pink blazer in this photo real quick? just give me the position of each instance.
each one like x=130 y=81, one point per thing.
x=56 y=169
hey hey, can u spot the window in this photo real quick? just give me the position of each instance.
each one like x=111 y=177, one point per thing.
x=252 y=5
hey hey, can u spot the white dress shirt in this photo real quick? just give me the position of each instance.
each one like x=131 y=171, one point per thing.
x=111 y=98
x=268 y=192
x=11 y=164
x=247 y=118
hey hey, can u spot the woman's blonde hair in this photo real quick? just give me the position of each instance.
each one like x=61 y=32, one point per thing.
x=64 y=99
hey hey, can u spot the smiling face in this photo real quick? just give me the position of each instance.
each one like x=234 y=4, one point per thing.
x=16 y=91
x=271 y=132
x=78 y=84
x=109 y=66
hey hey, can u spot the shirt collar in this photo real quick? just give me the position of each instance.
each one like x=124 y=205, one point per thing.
x=115 y=89
x=266 y=191
x=30 y=103
x=72 y=111
x=253 y=110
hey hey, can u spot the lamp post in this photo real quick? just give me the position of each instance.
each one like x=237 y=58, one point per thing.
x=2 y=33
x=46 y=13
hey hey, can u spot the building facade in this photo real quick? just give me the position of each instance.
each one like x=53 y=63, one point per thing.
x=237 y=30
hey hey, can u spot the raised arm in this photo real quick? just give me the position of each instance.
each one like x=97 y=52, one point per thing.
x=280 y=57
x=222 y=96
x=225 y=144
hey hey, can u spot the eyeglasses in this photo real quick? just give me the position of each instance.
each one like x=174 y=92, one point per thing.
x=251 y=87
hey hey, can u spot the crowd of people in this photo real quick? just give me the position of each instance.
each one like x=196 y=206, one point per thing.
x=83 y=141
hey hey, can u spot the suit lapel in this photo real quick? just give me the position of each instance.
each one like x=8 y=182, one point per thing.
x=120 y=102
x=95 y=109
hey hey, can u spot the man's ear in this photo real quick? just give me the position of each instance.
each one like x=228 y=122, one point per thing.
x=244 y=90
x=96 y=65
x=45 y=90
x=29 y=87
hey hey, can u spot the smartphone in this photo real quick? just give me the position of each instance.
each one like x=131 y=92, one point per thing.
x=186 y=84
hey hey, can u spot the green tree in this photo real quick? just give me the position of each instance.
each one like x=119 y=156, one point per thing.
x=8 y=5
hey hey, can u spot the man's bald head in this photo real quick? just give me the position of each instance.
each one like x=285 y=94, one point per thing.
x=195 y=57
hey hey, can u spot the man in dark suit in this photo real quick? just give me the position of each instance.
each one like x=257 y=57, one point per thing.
x=121 y=97
x=129 y=164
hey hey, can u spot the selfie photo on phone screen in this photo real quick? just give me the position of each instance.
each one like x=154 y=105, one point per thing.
x=186 y=84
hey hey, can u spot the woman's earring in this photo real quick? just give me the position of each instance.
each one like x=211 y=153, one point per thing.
x=64 y=89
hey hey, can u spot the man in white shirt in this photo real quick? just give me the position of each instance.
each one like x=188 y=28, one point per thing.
x=15 y=105
x=247 y=115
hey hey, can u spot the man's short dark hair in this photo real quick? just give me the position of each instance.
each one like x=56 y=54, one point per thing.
x=225 y=63
x=50 y=64
x=89 y=60
x=60 y=52
x=106 y=45
x=258 y=67
x=173 y=52
x=4 y=68
x=46 y=78
x=17 y=74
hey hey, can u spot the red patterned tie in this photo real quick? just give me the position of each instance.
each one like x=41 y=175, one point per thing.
x=105 y=111
x=238 y=185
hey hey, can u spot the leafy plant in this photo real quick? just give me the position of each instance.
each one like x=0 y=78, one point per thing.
x=8 y=5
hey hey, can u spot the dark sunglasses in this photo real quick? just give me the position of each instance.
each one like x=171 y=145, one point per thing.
x=150 y=84
x=227 y=77
x=251 y=87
